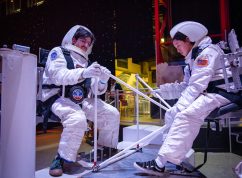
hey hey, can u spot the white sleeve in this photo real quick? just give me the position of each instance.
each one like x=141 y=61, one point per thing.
x=202 y=72
x=57 y=71
x=170 y=91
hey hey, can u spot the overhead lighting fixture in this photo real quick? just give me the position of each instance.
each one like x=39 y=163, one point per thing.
x=39 y=3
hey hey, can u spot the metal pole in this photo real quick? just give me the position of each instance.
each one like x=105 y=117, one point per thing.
x=95 y=123
x=137 y=107
x=157 y=33
x=224 y=18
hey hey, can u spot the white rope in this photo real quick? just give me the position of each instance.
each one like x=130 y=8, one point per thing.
x=151 y=89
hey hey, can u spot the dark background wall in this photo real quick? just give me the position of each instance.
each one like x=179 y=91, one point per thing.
x=46 y=25
x=134 y=33
x=236 y=18
x=207 y=13
x=128 y=22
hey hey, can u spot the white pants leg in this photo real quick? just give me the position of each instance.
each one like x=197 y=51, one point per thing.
x=186 y=126
x=74 y=125
x=108 y=121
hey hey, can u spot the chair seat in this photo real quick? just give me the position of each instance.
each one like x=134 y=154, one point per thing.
x=231 y=107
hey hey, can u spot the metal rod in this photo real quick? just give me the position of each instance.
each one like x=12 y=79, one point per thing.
x=141 y=142
x=137 y=106
x=151 y=89
x=95 y=123
x=138 y=92
x=111 y=162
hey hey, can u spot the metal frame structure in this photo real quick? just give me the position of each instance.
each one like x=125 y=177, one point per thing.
x=131 y=148
x=159 y=29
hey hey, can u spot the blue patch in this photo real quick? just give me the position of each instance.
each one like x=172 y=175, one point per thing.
x=77 y=94
x=53 y=55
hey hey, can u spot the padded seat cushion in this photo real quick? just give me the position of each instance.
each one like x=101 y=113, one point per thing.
x=224 y=110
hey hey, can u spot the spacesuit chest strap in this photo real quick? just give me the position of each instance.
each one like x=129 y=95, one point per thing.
x=79 y=91
x=195 y=53
x=197 y=50
x=66 y=53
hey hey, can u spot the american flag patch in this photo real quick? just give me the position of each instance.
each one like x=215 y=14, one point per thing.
x=202 y=61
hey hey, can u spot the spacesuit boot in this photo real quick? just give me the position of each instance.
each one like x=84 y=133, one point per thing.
x=56 y=167
x=60 y=166
x=150 y=167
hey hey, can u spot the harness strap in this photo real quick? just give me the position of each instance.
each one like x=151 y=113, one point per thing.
x=195 y=52
x=66 y=53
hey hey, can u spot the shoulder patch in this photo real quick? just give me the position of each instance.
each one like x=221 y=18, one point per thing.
x=53 y=55
x=202 y=61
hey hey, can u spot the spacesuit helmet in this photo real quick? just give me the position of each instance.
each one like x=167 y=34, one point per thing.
x=78 y=31
x=193 y=30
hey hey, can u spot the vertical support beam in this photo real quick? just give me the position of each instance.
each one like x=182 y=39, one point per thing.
x=224 y=18
x=95 y=125
x=137 y=106
x=169 y=18
x=157 y=33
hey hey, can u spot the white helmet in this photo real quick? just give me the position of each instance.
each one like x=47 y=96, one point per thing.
x=69 y=35
x=193 y=30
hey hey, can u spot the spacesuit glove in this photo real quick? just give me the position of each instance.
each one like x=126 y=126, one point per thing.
x=93 y=70
x=104 y=77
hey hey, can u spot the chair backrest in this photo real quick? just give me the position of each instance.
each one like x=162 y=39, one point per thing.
x=43 y=55
x=235 y=64
x=40 y=71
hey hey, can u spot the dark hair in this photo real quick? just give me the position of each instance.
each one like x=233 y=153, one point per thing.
x=83 y=33
x=179 y=36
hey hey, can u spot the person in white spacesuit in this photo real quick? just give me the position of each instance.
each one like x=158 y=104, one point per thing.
x=197 y=95
x=68 y=81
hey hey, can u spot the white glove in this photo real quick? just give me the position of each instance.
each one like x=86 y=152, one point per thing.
x=104 y=77
x=93 y=70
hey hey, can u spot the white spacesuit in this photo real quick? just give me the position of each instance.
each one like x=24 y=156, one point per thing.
x=195 y=101
x=73 y=117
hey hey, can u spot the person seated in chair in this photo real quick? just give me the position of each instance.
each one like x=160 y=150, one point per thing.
x=197 y=94
x=69 y=77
